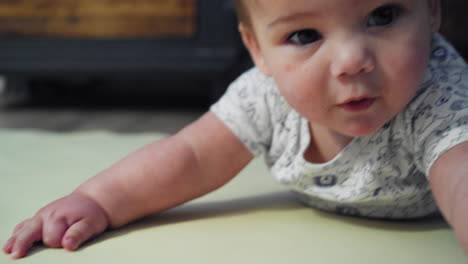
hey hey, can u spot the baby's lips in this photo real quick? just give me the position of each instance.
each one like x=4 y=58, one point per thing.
x=358 y=105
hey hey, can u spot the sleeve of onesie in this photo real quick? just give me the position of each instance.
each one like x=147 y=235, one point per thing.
x=439 y=119
x=245 y=111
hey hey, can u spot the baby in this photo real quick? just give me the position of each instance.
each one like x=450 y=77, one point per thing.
x=359 y=106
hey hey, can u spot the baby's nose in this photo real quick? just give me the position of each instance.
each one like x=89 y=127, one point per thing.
x=352 y=57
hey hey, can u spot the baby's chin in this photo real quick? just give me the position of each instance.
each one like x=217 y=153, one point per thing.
x=362 y=130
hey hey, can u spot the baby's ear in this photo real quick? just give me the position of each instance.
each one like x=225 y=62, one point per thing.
x=252 y=45
x=436 y=15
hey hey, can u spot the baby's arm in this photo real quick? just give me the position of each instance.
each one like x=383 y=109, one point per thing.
x=449 y=182
x=200 y=158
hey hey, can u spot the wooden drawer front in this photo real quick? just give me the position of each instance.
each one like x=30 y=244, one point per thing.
x=98 y=18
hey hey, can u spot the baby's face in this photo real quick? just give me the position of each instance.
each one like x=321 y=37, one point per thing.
x=348 y=65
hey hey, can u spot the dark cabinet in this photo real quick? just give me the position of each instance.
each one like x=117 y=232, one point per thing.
x=103 y=39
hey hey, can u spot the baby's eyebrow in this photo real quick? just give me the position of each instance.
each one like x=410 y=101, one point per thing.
x=290 y=17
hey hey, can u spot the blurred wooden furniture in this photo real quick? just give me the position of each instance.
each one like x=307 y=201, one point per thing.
x=187 y=41
x=98 y=18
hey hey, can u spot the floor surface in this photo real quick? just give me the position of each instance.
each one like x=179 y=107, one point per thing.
x=122 y=113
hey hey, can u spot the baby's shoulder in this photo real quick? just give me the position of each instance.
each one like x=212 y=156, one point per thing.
x=444 y=54
x=254 y=83
x=260 y=91
x=445 y=85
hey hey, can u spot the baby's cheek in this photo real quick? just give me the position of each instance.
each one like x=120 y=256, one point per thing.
x=408 y=66
x=288 y=68
x=416 y=56
x=300 y=92
x=407 y=74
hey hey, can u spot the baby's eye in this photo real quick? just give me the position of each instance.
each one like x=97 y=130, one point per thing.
x=304 y=37
x=384 y=15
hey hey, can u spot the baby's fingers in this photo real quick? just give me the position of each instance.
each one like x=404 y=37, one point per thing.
x=53 y=232
x=8 y=247
x=78 y=233
x=23 y=239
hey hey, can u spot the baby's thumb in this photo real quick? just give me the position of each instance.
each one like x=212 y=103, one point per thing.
x=77 y=234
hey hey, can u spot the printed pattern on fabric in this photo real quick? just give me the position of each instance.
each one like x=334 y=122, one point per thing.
x=381 y=175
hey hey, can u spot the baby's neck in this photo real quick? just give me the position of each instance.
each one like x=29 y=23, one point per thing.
x=324 y=144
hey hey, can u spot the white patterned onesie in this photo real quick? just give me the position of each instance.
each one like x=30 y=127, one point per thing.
x=383 y=175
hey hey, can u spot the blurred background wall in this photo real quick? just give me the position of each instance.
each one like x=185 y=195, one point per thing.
x=455 y=23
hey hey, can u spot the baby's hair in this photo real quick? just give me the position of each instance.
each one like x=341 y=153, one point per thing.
x=241 y=11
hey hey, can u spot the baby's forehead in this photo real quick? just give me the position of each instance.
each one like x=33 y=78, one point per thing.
x=255 y=6
x=254 y=9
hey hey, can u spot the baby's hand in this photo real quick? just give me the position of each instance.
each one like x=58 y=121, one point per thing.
x=67 y=223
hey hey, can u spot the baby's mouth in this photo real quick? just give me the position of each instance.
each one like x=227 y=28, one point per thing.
x=358 y=105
